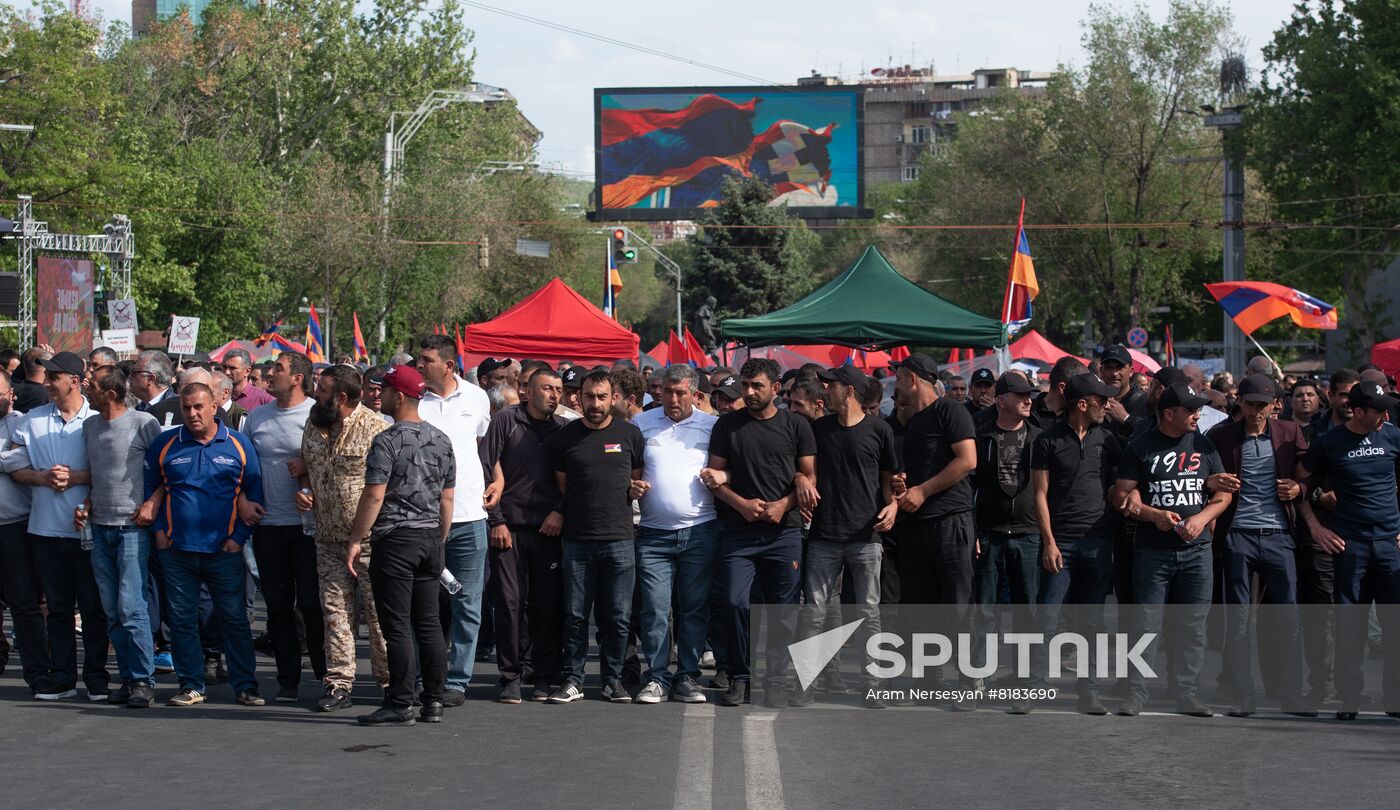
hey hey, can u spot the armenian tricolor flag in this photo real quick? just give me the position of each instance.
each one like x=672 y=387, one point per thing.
x=1251 y=304
x=315 y=343
x=461 y=346
x=268 y=333
x=1021 y=285
x=361 y=351
x=1170 y=347
x=612 y=284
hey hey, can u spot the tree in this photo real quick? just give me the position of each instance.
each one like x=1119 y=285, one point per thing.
x=752 y=257
x=1096 y=147
x=1324 y=135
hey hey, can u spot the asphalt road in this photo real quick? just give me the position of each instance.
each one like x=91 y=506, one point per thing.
x=592 y=754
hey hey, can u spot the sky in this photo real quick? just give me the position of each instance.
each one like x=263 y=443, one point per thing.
x=552 y=73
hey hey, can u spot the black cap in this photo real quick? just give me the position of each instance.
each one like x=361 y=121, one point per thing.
x=921 y=364
x=572 y=377
x=846 y=374
x=729 y=386
x=1171 y=375
x=1257 y=388
x=65 y=363
x=1181 y=396
x=489 y=365
x=788 y=375
x=1082 y=386
x=1365 y=394
x=983 y=376
x=377 y=378
x=1117 y=353
x=1013 y=383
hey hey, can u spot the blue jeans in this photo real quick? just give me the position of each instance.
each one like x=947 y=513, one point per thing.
x=766 y=558
x=1180 y=577
x=224 y=574
x=1083 y=581
x=466 y=559
x=119 y=559
x=1017 y=557
x=599 y=576
x=1367 y=570
x=1270 y=554
x=682 y=560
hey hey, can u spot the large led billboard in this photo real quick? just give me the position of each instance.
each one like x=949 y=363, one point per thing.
x=663 y=153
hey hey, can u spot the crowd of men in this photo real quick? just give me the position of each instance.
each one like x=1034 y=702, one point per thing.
x=504 y=511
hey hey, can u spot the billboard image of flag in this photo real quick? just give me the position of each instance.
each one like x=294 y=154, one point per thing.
x=664 y=153
x=63 y=298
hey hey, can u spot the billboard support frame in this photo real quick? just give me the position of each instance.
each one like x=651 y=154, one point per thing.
x=116 y=242
x=600 y=214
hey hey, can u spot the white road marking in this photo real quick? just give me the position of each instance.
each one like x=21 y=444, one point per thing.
x=763 y=783
x=695 y=771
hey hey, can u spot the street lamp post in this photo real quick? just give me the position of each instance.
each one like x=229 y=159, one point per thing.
x=403 y=125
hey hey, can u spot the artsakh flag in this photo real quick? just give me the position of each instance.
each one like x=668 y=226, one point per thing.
x=1251 y=304
x=361 y=351
x=315 y=345
x=1021 y=284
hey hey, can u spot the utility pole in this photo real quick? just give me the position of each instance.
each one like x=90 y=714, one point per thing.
x=665 y=262
x=1229 y=119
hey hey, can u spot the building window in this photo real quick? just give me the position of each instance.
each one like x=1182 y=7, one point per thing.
x=909 y=174
x=919 y=135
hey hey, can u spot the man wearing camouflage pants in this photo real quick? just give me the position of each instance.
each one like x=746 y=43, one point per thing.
x=338 y=435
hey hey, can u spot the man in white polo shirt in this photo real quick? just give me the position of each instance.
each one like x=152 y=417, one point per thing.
x=462 y=411
x=676 y=540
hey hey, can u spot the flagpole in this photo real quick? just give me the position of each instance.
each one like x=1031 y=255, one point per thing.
x=1015 y=246
x=1261 y=349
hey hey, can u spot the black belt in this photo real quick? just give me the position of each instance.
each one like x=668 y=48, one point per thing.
x=1260 y=532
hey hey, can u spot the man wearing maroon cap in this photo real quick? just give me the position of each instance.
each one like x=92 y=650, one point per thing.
x=410 y=477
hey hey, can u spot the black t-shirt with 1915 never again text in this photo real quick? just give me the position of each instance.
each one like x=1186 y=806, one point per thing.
x=1170 y=474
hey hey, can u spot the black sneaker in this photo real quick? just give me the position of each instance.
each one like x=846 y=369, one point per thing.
x=1244 y=708
x=541 y=693
x=286 y=694
x=336 y=699
x=686 y=690
x=1021 y=705
x=48 y=690
x=389 y=716
x=1131 y=706
x=120 y=695
x=834 y=684
x=614 y=692
x=800 y=698
x=872 y=699
x=142 y=695
x=1193 y=706
x=720 y=681
x=775 y=697
x=214 y=671
x=1089 y=703
x=567 y=693
x=510 y=693
x=1347 y=713
x=736 y=695
x=1299 y=707
x=431 y=712
x=527 y=678
x=250 y=697
x=452 y=698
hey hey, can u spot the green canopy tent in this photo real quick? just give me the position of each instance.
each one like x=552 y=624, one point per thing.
x=869 y=305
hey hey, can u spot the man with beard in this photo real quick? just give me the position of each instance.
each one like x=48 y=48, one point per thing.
x=285 y=554
x=597 y=461
x=238 y=365
x=807 y=398
x=1050 y=406
x=526 y=590
x=334 y=447
x=983 y=391
x=1306 y=401
x=957 y=389
x=762 y=470
x=370 y=390
x=1130 y=404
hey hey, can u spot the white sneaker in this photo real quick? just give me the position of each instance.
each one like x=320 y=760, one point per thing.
x=55 y=694
x=651 y=693
x=707 y=660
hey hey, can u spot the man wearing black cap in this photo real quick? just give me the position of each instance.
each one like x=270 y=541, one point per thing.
x=1008 y=540
x=982 y=391
x=1074 y=464
x=856 y=462
x=936 y=542
x=1358 y=461
x=1163 y=475
x=492 y=372
x=726 y=395
x=572 y=379
x=1260 y=455
x=1130 y=403
x=1051 y=405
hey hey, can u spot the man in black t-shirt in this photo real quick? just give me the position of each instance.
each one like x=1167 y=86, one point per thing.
x=763 y=472
x=855 y=464
x=936 y=543
x=1163 y=476
x=1074 y=464
x=982 y=391
x=1008 y=542
x=597 y=462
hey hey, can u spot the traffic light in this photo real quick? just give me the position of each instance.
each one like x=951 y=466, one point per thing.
x=483 y=253
x=623 y=253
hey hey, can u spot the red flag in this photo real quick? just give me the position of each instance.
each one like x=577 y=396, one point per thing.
x=954 y=357
x=899 y=353
x=361 y=351
x=675 y=349
x=695 y=355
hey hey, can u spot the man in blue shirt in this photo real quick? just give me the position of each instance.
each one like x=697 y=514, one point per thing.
x=54 y=465
x=205 y=469
x=1358 y=462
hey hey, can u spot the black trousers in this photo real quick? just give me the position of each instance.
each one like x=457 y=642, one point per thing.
x=404 y=571
x=889 y=569
x=1315 y=598
x=287 y=569
x=65 y=572
x=18 y=576
x=527 y=594
x=936 y=562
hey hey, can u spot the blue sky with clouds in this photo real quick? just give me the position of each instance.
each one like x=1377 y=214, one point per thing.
x=553 y=73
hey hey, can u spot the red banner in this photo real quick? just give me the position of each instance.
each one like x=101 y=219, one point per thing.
x=63 y=294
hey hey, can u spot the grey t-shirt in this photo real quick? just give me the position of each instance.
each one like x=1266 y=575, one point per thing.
x=415 y=461
x=276 y=435
x=116 y=455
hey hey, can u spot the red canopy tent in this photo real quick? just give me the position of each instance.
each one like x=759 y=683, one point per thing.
x=1386 y=356
x=552 y=323
x=1034 y=346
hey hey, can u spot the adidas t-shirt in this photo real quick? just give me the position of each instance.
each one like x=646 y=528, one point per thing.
x=1361 y=471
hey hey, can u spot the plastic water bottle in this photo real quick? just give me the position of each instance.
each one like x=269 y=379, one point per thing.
x=308 y=518
x=449 y=582
x=85 y=533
